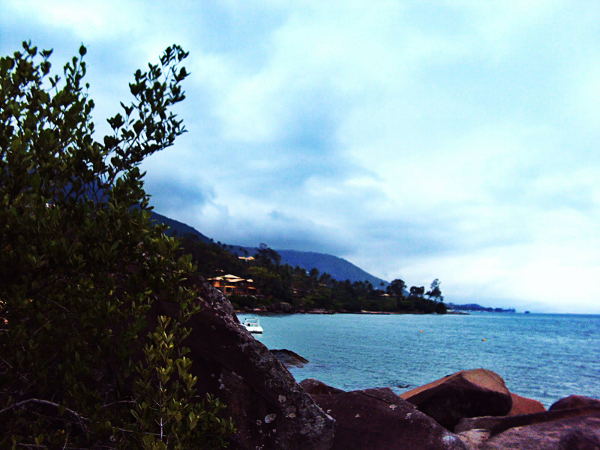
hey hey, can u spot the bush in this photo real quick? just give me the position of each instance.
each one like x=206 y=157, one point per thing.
x=81 y=266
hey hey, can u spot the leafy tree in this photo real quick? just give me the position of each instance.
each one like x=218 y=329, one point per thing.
x=435 y=292
x=82 y=265
x=267 y=257
x=396 y=288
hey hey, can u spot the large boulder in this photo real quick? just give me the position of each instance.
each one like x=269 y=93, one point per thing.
x=574 y=401
x=375 y=419
x=313 y=387
x=468 y=393
x=568 y=429
x=524 y=405
x=289 y=358
x=566 y=434
x=270 y=410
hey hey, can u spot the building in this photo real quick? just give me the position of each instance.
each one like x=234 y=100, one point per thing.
x=232 y=284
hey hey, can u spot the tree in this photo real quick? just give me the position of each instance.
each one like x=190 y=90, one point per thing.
x=396 y=289
x=82 y=265
x=267 y=257
x=435 y=292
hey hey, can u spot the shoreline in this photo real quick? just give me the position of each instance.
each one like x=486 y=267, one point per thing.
x=331 y=312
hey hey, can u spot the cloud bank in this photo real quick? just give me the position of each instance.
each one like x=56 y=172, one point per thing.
x=419 y=140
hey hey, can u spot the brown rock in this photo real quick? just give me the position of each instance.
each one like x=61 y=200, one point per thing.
x=581 y=433
x=313 y=386
x=496 y=425
x=289 y=358
x=524 y=405
x=270 y=410
x=469 y=393
x=579 y=439
x=281 y=307
x=521 y=432
x=574 y=401
x=378 y=419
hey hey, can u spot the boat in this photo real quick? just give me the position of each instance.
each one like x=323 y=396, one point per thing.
x=252 y=325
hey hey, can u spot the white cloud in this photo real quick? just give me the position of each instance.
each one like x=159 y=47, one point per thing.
x=92 y=19
x=450 y=139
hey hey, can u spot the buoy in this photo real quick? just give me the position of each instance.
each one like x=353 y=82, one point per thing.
x=421 y=331
x=483 y=339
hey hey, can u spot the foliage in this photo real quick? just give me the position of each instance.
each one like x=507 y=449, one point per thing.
x=82 y=266
x=304 y=290
x=435 y=292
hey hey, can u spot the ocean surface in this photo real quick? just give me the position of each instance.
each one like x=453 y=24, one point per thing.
x=541 y=356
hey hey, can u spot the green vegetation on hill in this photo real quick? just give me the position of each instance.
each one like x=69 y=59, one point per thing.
x=305 y=290
x=177 y=228
x=338 y=268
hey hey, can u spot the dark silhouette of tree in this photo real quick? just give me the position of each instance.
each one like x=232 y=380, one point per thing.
x=82 y=265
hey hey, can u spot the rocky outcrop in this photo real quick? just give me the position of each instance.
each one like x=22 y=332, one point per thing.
x=469 y=393
x=567 y=434
x=270 y=410
x=289 y=358
x=313 y=387
x=374 y=419
x=575 y=401
x=524 y=405
x=281 y=307
x=570 y=429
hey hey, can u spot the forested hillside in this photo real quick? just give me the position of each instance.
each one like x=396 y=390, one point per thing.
x=338 y=268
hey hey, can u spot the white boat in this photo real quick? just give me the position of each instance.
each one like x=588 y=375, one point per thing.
x=252 y=325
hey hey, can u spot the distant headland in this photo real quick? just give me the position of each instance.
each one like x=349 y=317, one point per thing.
x=476 y=307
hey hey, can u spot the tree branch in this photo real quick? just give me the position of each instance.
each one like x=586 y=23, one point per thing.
x=78 y=416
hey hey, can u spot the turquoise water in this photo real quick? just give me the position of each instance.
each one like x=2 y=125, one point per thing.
x=541 y=356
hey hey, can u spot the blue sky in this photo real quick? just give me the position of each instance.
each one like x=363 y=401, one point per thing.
x=419 y=140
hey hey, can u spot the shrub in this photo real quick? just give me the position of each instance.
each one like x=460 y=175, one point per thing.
x=81 y=266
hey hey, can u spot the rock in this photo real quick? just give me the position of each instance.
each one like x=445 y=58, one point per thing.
x=474 y=439
x=270 y=410
x=378 y=419
x=524 y=405
x=567 y=434
x=574 y=401
x=578 y=439
x=544 y=430
x=289 y=358
x=313 y=386
x=469 y=393
x=496 y=425
x=281 y=307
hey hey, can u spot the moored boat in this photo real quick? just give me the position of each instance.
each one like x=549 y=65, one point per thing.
x=252 y=325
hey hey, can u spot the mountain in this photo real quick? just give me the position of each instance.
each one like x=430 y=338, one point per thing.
x=177 y=228
x=338 y=268
x=476 y=307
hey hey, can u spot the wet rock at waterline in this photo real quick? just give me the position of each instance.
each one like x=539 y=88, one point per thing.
x=313 y=386
x=524 y=405
x=288 y=358
x=575 y=401
x=468 y=393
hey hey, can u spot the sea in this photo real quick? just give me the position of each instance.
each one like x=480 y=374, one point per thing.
x=541 y=356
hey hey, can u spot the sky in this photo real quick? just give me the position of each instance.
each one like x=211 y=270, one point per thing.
x=417 y=139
